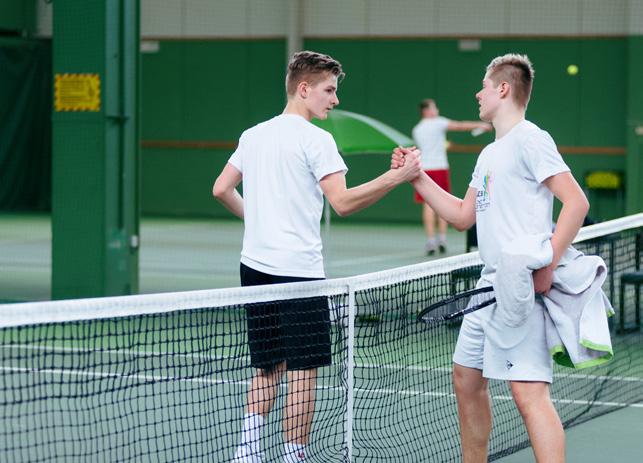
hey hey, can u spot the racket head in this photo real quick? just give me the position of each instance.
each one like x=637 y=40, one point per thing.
x=458 y=305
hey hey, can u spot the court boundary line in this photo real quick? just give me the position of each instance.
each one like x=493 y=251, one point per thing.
x=450 y=395
x=394 y=367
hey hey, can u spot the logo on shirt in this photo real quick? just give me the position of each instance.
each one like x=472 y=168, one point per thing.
x=509 y=365
x=483 y=196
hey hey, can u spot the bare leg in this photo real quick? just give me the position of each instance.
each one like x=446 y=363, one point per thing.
x=541 y=419
x=442 y=226
x=300 y=405
x=263 y=389
x=474 y=413
x=428 y=218
x=442 y=239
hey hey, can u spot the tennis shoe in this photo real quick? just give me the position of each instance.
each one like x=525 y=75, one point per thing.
x=430 y=247
x=442 y=245
x=244 y=454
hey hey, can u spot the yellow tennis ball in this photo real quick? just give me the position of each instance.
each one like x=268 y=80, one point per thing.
x=572 y=69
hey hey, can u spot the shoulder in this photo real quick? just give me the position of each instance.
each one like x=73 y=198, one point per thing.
x=301 y=126
x=257 y=129
x=530 y=132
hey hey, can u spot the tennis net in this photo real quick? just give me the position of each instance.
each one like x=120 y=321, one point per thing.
x=163 y=377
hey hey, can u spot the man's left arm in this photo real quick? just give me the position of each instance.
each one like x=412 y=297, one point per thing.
x=225 y=190
x=570 y=219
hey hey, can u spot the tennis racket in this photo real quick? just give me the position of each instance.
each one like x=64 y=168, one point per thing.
x=458 y=305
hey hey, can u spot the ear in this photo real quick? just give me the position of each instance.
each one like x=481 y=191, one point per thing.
x=303 y=88
x=504 y=89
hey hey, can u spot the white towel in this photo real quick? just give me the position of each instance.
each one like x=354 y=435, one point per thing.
x=576 y=307
x=577 y=310
x=514 y=285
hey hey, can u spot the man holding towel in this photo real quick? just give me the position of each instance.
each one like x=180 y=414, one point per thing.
x=510 y=195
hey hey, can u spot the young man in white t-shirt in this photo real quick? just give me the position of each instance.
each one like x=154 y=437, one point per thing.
x=287 y=165
x=430 y=136
x=510 y=195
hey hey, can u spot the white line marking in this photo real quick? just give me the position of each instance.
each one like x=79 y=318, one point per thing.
x=143 y=353
x=332 y=388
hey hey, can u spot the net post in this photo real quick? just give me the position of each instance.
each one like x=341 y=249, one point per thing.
x=350 y=372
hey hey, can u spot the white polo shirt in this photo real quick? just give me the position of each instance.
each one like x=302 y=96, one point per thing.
x=282 y=161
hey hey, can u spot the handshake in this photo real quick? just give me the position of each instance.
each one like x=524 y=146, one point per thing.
x=405 y=164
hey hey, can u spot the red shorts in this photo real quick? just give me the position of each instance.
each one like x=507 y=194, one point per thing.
x=441 y=177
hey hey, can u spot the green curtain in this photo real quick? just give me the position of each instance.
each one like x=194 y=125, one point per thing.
x=25 y=124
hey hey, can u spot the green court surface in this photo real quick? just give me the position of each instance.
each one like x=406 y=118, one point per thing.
x=615 y=437
x=187 y=254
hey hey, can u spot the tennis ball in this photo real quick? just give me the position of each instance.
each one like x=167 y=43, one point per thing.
x=572 y=69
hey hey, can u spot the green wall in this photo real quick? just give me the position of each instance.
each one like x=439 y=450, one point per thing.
x=634 y=166
x=18 y=15
x=210 y=91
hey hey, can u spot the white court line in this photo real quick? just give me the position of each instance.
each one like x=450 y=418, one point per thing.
x=556 y=375
x=332 y=388
x=129 y=352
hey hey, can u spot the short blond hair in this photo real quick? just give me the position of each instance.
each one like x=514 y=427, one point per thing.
x=312 y=67
x=516 y=70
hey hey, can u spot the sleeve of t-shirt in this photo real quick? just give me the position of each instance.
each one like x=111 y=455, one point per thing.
x=323 y=156
x=475 y=176
x=542 y=157
x=237 y=157
x=443 y=123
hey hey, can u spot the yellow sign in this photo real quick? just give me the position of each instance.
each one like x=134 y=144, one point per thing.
x=77 y=92
x=603 y=180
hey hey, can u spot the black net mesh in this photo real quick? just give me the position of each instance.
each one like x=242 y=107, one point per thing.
x=172 y=386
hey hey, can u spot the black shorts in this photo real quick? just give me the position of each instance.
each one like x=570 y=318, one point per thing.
x=295 y=331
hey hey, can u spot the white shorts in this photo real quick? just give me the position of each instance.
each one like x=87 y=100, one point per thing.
x=482 y=345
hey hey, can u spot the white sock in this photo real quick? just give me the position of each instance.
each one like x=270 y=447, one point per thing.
x=443 y=239
x=294 y=453
x=252 y=425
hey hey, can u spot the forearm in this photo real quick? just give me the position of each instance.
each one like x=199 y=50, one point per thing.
x=468 y=125
x=232 y=201
x=449 y=207
x=359 y=197
x=569 y=222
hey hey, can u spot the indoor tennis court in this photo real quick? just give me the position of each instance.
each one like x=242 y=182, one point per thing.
x=123 y=327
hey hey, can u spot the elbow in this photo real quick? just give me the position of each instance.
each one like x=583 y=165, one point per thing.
x=585 y=205
x=342 y=211
x=218 y=192
x=460 y=227
x=463 y=225
x=341 y=208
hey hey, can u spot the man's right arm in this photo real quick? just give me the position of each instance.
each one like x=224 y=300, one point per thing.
x=225 y=190
x=460 y=213
x=346 y=201
x=465 y=126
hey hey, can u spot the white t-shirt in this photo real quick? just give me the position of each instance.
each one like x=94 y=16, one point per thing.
x=430 y=136
x=511 y=200
x=282 y=161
